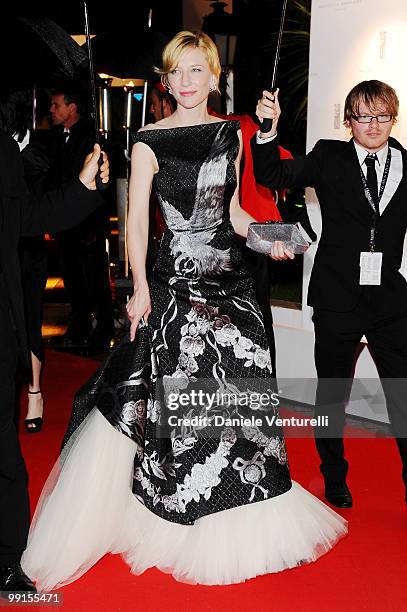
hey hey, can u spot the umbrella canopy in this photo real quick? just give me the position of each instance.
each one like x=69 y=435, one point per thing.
x=131 y=55
x=38 y=51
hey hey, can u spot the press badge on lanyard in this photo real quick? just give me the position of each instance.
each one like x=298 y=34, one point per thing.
x=370 y=268
x=371 y=261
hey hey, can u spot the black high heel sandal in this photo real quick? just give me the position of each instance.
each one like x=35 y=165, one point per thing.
x=33 y=425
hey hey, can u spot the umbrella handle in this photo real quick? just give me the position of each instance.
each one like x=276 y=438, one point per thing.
x=267 y=123
x=100 y=186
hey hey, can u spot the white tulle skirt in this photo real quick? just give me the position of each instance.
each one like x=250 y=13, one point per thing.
x=87 y=509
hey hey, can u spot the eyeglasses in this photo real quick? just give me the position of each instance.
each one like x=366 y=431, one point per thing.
x=369 y=118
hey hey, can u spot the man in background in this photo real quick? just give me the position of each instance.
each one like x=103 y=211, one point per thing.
x=84 y=260
x=162 y=104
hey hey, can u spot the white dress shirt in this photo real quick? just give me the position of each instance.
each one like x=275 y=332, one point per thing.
x=260 y=140
x=25 y=140
x=395 y=171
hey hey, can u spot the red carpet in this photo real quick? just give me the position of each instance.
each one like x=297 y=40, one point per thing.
x=365 y=571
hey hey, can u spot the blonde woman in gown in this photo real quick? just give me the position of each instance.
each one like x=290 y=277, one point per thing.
x=211 y=504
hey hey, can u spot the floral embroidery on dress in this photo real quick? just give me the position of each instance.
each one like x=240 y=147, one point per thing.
x=252 y=472
x=204 y=320
x=199 y=483
x=154 y=410
x=272 y=447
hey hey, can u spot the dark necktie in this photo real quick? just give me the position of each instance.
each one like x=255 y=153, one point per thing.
x=371 y=177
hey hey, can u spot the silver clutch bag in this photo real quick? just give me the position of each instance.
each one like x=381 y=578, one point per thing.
x=260 y=237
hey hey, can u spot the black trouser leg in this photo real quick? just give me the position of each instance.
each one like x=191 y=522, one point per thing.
x=14 y=507
x=76 y=284
x=337 y=336
x=34 y=280
x=97 y=272
x=388 y=343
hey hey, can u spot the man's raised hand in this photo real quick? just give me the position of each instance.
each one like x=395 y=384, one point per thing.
x=91 y=167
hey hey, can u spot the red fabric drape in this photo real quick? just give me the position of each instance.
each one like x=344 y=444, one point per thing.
x=255 y=199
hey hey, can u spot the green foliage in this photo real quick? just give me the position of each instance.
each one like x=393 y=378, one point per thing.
x=295 y=61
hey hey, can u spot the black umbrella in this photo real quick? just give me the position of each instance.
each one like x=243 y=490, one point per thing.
x=99 y=184
x=129 y=54
x=266 y=124
x=38 y=51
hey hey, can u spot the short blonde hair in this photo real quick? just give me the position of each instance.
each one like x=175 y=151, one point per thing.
x=372 y=93
x=185 y=40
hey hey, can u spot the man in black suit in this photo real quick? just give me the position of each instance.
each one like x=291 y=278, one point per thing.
x=356 y=288
x=85 y=267
x=22 y=215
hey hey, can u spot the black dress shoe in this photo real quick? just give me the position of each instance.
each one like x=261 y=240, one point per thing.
x=12 y=578
x=338 y=494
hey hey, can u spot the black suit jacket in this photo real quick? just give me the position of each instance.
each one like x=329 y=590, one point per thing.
x=24 y=215
x=66 y=162
x=333 y=169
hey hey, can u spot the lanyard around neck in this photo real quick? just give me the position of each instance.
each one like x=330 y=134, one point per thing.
x=368 y=195
x=374 y=205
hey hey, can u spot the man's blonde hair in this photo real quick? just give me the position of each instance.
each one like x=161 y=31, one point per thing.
x=372 y=93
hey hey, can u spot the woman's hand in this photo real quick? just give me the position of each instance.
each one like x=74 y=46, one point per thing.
x=278 y=252
x=138 y=307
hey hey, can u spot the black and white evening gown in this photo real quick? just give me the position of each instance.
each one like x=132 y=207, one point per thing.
x=210 y=502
